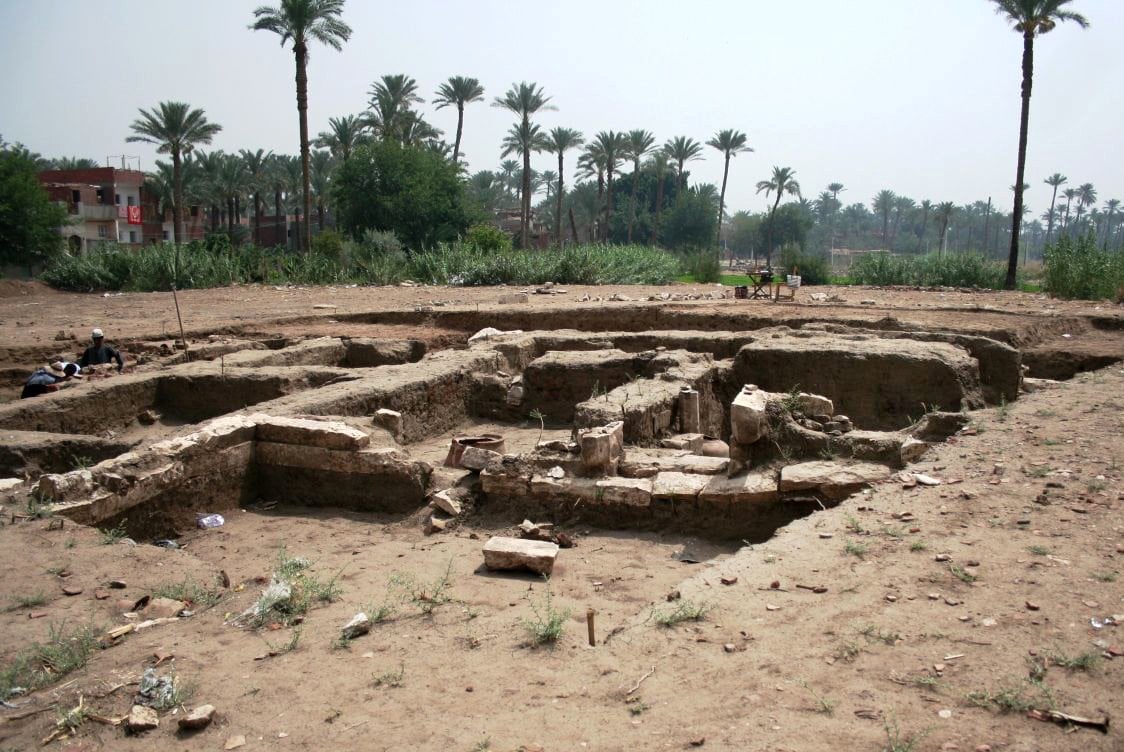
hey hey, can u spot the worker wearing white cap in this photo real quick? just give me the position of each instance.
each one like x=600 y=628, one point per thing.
x=99 y=352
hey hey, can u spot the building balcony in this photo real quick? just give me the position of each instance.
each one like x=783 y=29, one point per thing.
x=97 y=211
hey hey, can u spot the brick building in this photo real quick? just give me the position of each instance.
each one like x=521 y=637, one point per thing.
x=106 y=204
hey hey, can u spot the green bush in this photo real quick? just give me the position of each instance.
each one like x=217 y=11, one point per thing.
x=328 y=243
x=487 y=237
x=931 y=270
x=1078 y=269
x=812 y=269
x=153 y=268
x=704 y=266
x=380 y=243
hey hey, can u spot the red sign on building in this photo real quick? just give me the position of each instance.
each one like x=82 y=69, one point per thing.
x=134 y=215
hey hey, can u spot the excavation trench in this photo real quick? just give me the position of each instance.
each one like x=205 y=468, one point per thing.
x=652 y=431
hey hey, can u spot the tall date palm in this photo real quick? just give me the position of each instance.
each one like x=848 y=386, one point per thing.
x=682 y=150
x=640 y=142
x=524 y=99
x=175 y=129
x=1030 y=18
x=730 y=143
x=1055 y=181
x=300 y=21
x=559 y=142
x=782 y=182
x=457 y=92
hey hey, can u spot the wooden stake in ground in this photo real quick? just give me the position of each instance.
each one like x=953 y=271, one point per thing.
x=589 y=614
x=176 y=300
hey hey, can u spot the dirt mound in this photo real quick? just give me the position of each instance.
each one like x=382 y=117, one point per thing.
x=14 y=288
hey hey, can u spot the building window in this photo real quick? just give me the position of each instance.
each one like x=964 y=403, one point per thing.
x=76 y=197
x=132 y=200
x=166 y=238
x=117 y=199
x=132 y=236
x=101 y=231
x=101 y=196
x=121 y=236
x=195 y=211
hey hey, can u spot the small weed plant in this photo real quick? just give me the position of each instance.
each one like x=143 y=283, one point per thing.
x=112 y=535
x=683 y=610
x=547 y=622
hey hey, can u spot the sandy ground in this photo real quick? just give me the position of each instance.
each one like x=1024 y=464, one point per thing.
x=948 y=609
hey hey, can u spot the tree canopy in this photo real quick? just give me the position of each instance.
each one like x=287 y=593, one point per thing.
x=29 y=221
x=412 y=192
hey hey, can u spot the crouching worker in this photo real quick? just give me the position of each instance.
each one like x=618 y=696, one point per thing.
x=100 y=353
x=48 y=379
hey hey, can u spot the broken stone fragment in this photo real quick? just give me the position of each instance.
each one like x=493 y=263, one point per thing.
x=475 y=458
x=199 y=718
x=142 y=718
x=148 y=417
x=446 y=502
x=390 y=420
x=938 y=426
x=912 y=450
x=359 y=625
x=542 y=532
x=435 y=524
x=814 y=404
x=515 y=553
x=163 y=608
x=748 y=421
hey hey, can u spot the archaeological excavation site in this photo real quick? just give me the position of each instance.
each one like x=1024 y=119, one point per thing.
x=602 y=527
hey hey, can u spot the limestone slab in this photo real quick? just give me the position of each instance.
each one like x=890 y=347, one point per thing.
x=635 y=492
x=305 y=432
x=750 y=487
x=502 y=553
x=678 y=486
x=834 y=480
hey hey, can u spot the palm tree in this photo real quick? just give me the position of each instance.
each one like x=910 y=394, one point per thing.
x=1070 y=194
x=1030 y=18
x=782 y=182
x=176 y=129
x=524 y=99
x=322 y=165
x=457 y=92
x=208 y=169
x=926 y=207
x=901 y=204
x=943 y=214
x=612 y=146
x=344 y=134
x=275 y=174
x=559 y=142
x=730 y=143
x=883 y=204
x=682 y=150
x=1086 y=196
x=1111 y=206
x=659 y=167
x=1054 y=181
x=640 y=142
x=257 y=165
x=523 y=138
x=301 y=21
x=392 y=100
x=836 y=189
x=291 y=177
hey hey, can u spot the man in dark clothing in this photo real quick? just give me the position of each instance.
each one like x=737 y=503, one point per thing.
x=100 y=353
x=47 y=379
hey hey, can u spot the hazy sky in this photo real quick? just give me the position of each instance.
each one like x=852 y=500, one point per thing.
x=919 y=97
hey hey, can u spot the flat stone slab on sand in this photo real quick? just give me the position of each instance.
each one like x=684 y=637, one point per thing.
x=835 y=480
x=305 y=432
x=517 y=553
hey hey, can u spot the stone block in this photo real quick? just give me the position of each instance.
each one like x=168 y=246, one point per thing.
x=597 y=450
x=390 y=420
x=142 y=718
x=501 y=483
x=690 y=442
x=834 y=480
x=748 y=488
x=912 y=450
x=678 y=486
x=475 y=458
x=689 y=421
x=514 y=298
x=314 y=433
x=814 y=404
x=516 y=553
x=633 y=492
x=748 y=420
